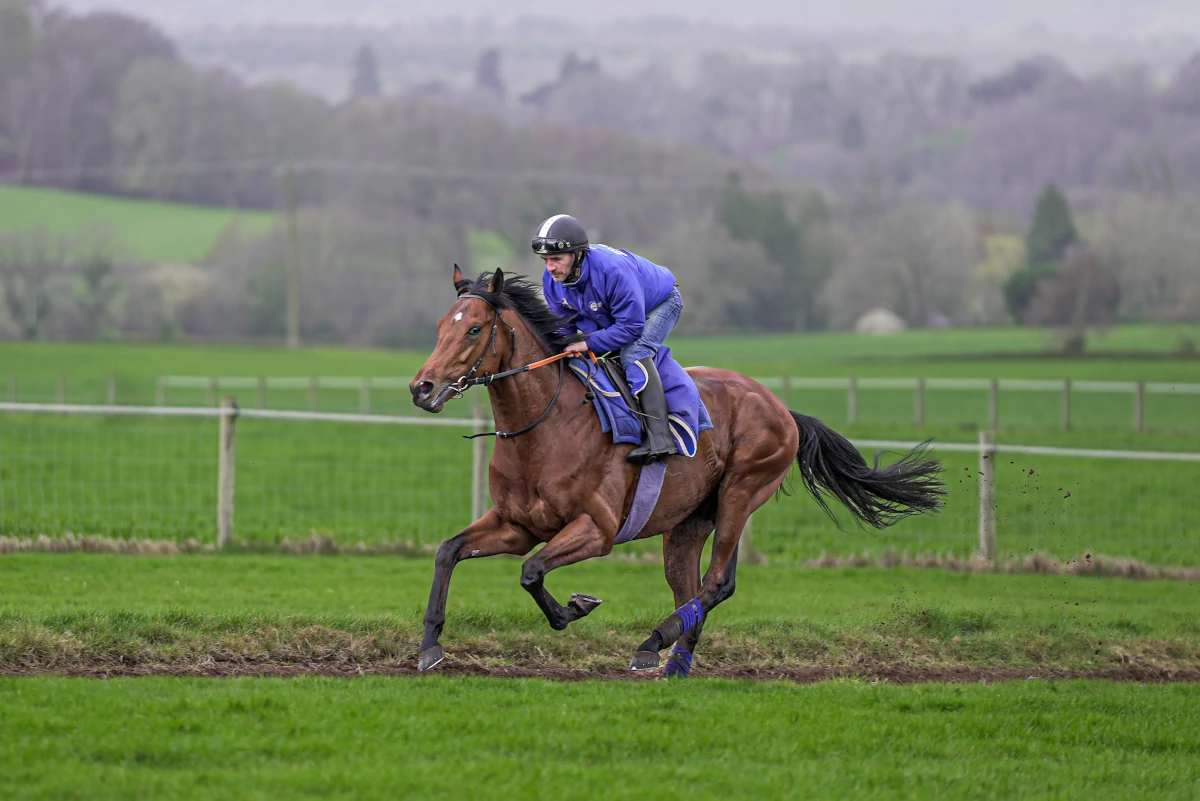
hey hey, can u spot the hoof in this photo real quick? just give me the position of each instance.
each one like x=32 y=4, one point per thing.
x=644 y=660
x=430 y=658
x=584 y=603
x=679 y=664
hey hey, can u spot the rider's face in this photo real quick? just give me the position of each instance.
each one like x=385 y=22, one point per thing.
x=559 y=266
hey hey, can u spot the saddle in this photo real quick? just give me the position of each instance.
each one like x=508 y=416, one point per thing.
x=616 y=374
x=622 y=416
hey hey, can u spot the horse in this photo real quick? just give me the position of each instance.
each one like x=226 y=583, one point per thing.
x=557 y=479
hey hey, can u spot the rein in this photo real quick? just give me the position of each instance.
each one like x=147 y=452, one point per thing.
x=469 y=380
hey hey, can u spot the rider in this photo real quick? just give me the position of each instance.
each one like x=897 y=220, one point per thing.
x=623 y=302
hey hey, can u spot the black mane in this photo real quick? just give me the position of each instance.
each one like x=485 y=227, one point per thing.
x=525 y=298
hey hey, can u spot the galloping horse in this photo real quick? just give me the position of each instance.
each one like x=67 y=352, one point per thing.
x=557 y=479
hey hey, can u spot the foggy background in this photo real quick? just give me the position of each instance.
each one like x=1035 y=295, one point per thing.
x=797 y=165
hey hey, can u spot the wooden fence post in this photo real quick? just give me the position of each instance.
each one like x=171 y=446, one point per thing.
x=225 y=470
x=160 y=398
x=261 y=392
x=994 y=405
x=479 y=464
x=1139 y=399
x=364 y=397
x=987 y=497
x=786 y=391
x=1066 y=405
x=112 y=390
x=920 y=403
x=313 y=401
x=852 y=400
x=212 y=391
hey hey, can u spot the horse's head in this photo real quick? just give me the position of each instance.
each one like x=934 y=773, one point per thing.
x=469 y=344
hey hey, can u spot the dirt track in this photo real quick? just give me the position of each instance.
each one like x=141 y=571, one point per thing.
x=891 y=675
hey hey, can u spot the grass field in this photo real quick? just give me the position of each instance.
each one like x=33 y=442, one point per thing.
x=479 y=738
x=59 y=611
x=453 y=735
x=143 y=230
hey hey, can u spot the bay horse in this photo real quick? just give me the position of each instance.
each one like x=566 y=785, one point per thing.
x=556 y=479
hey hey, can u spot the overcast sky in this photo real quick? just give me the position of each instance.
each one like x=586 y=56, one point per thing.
x=1107 y=18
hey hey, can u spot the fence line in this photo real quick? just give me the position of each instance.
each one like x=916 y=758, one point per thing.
x=229 y=413
x=784 y=386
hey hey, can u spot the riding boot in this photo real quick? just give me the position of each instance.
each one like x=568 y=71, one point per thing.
x=659 y=443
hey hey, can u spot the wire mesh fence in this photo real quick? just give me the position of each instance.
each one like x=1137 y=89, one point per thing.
x=375 y=479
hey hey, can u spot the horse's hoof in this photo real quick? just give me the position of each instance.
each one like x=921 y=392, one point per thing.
x=430 y=658
x=644 y=660
x=584 y=603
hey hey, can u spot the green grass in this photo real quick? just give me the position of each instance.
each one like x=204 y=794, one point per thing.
x=143 y=230
x=63 y=611
x=479 y=738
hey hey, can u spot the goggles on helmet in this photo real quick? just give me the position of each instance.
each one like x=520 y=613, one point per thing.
x=546 y=246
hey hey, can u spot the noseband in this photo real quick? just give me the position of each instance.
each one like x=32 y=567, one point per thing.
x=469 y=380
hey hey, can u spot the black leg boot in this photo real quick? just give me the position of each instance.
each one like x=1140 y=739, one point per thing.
x=659 y=442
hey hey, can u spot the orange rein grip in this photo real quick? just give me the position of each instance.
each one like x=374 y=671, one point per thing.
x=553 y=359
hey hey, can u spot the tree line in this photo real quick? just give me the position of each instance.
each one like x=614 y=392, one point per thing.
x=388 y=192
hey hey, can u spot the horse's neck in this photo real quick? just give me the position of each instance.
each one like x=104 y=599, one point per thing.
x=519 y=400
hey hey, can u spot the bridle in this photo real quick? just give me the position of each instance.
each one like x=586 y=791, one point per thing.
x=470 y=380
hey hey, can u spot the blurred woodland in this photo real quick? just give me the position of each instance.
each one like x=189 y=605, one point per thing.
x=789 y=195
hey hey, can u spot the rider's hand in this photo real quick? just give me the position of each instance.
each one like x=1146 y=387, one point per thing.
x=576 y=347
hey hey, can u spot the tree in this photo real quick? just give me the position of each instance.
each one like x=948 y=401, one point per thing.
x=98 y=293
x=487 y=72
x=1085 y=292
x=800 y=248
x=1050 y=234
x=1053 y=229
x=915 y=261
x=853 y=134
x=30 y=264
x=365 y=81
x=18 y=37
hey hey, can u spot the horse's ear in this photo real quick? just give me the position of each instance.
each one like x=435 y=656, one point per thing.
x=497 y=284
x=461 y=285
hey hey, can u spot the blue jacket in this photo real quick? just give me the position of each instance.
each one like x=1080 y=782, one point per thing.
x=615 y=291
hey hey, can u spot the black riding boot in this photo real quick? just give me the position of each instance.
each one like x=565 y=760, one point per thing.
x=659 y=442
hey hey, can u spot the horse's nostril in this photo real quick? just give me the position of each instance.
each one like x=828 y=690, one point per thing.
x=424 y=388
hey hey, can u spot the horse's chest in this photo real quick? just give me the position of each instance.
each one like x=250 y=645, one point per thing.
x=538 y=508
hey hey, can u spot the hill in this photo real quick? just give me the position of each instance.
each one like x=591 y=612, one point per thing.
x=143 y=230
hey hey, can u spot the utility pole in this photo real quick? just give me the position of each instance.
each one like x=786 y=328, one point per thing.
x=293 y=257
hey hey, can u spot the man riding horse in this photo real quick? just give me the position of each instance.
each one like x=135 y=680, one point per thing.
x=620 y=302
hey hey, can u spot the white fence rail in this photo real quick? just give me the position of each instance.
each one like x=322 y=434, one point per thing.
x=72 y=468
x=936 y=400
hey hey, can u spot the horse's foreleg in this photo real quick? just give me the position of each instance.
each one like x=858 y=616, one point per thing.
x=581 y=539
x=487 y=536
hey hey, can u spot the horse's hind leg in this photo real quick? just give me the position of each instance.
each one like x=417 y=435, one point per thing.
x=738 y=497
x=581 y=539
x=682 y=547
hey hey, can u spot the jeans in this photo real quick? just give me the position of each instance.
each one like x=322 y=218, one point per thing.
x=659 y=322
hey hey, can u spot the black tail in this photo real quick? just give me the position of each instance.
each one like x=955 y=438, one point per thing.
x=830 y=464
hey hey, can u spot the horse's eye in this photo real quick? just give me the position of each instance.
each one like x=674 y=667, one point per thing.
x=475 y=329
